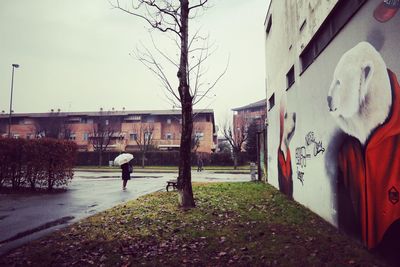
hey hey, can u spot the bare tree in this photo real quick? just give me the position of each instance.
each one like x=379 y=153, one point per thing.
x=171 y=17
x=53 y=126
x=196 y=137
x=236 y=138
x=104 y=133
x=144 y=138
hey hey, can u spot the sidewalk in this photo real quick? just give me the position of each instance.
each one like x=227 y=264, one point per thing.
x=161 y=169
x=234 y=224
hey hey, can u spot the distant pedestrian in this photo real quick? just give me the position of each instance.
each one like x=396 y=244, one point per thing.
x=199 y=163
x=126 y=174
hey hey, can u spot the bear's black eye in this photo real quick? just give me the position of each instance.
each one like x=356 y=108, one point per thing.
x=285 y=115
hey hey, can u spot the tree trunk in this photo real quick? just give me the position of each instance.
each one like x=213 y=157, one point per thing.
x=143 y=159
x=100 y=157
x=50 y=181
x=186 y=199
x=235 y=160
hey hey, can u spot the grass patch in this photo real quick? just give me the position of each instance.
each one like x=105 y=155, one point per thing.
x=245 y=224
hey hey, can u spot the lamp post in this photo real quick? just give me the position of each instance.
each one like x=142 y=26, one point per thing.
x=12 y=84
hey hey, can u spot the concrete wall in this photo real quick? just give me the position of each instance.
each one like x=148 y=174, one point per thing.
x=312 y=13
x=316 y=141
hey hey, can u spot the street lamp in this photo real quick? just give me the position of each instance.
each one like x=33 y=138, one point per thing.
x=14 y=66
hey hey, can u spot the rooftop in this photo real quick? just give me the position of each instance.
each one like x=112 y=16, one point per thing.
x=105 y=113
x=258 y=104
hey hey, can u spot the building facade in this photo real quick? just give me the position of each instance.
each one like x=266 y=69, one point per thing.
x=254 y=112
x=120 y=130
x=332 y=100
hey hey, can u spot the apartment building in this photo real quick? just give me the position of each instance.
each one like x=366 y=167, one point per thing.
x=254 y=112
x=123 y=130
x=327 y=63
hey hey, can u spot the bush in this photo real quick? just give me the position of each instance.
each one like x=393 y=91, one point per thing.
x=36 y=163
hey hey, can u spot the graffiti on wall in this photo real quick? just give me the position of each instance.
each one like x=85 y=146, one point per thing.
x=303 y=154
x=386 y=10
x=366 y=106
x=310 y=140
x=287 y=122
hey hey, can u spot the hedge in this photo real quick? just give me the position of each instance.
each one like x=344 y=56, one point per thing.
x=38 y=163
x=160 y=158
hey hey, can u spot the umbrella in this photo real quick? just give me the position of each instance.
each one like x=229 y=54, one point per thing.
x=123 y=158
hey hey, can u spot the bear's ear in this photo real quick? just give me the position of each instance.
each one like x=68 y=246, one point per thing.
x=367 y=71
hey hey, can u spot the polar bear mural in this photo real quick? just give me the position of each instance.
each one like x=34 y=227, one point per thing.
x=364 y=99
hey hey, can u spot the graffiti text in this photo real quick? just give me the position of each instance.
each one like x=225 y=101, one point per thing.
x=302 y=156
x=318 y=148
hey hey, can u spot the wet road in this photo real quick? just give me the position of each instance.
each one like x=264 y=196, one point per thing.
x=24 y=218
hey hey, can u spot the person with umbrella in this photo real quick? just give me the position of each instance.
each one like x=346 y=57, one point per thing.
x=123 y=161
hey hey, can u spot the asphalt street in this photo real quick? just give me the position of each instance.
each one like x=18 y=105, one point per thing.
x=27 y=217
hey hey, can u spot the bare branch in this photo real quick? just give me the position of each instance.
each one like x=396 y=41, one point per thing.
x=156 y=21
x=200 y=4
x=163 y=54
x=147 y=59
x=214 y=84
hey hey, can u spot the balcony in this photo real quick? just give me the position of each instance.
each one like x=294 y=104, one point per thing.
x=171 y=144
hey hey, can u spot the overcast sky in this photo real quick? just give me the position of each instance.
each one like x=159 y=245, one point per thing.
x=75 y=55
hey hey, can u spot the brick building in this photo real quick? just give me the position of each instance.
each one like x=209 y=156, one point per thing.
x=254 y=112
x=125 y=130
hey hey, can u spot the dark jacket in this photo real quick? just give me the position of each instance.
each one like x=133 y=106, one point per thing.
x=125 y=172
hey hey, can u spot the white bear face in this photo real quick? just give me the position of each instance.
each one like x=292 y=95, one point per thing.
x=350 y=82
x=289 y=126
x=360 y=95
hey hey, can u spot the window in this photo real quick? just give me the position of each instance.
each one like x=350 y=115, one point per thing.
x=169 y=121
x=271 y=102
x=72 y=136
x=30 y=136
x=290 y=78
x=133 y=136
x=147 y=136
x=133 y=118
x=85 y=136
x=74 y=120
x=199 y=135
x=15 y=136
x=168 y=136
x=24 y=121
x=336 y=20
x=269 y=25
